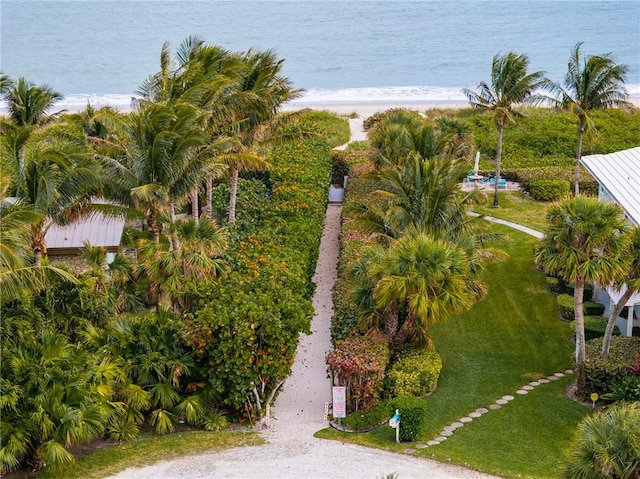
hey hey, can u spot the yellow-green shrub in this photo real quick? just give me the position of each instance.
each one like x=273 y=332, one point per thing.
x=414 y=373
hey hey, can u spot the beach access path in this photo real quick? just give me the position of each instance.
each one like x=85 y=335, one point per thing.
x=291 y=450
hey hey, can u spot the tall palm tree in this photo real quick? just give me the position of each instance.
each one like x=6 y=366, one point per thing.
x=594 y=84
x=584 y=241
x=262 y=90
x=629 y=279
x=510 y=86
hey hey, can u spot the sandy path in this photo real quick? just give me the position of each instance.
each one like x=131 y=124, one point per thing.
x=292 y=451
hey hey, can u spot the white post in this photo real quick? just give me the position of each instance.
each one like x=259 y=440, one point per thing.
x=629 y=320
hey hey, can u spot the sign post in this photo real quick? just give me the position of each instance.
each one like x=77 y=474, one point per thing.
x=339 y=402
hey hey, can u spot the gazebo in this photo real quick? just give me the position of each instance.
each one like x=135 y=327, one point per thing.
x=618 y=177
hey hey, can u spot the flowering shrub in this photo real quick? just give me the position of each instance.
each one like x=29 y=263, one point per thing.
x=358 y=363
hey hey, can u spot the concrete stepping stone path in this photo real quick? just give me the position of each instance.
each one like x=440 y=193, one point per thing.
x=449 y=430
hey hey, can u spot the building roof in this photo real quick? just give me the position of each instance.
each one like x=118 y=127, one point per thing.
x=619 y=175
x=97 y=230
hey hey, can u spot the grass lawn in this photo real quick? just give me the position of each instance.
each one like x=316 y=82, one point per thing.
x=150 y=450
x=510 y=338
x=517 y=207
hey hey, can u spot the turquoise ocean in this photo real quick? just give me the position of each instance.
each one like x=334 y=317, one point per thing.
x=338 y=51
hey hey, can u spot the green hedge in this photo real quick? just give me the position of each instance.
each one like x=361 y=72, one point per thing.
x=565 y=307
x=549 y=190
x=601 y=373
x=413 y=414
x=415 y=372
x=594 y=327
x=526 y=176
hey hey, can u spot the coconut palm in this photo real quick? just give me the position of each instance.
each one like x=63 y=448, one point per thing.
x=28 y=104
x=511 y=85
x=630 y=279
x=262 y=90
x=606 y=445
x=584 y=241
x=593 y=84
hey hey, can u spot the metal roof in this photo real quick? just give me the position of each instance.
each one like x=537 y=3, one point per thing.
x=618 y=174
x=97 y=229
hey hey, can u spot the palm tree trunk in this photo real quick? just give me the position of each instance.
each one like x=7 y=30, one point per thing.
x=195 y=206
x=232 y=197
x=576 y=179
x=38 y=245
x=578 y=306
x=498 y=161
x=615 y=312
x=175 y=242
x=210 y=196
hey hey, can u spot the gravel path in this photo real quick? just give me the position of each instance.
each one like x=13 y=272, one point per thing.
x=292 y=451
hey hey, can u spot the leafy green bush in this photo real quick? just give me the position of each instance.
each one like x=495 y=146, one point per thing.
x=594 y=327
x=549 y=190
x=591 y=308
x=601 y=373
x=366 y=420
x=415 y=372
x=413 y=413
x=565 y=307
x=588 y=185
x=626 y=389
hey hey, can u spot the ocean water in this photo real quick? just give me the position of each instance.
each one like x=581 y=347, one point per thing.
x=338 y=51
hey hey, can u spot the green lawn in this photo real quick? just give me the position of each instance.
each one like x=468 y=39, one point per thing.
x=150 y=450
x=510 y=338
x=517 y=207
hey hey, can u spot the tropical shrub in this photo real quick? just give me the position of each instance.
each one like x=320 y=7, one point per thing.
x=366 y=420
x=244 y=330
x=626 y=389
x=588 y=185
x=549 y=190
x=565 y=307
x=413 y=414
x=359 y=363
x=415 y=372
x=602 y=372
x=605 y=445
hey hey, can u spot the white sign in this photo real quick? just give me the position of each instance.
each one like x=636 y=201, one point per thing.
x=339 y=401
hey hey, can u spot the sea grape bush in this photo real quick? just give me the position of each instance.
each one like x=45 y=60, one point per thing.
x=245 y=329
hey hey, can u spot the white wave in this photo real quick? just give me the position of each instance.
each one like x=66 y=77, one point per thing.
x=381 y=95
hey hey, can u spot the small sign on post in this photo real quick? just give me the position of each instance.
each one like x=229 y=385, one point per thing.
x=339 y=396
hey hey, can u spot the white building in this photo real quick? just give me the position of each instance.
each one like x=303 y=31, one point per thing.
x=618 y=177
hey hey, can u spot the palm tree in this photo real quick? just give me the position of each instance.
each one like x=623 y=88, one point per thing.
x=261 y=90
x=510 y=85
x=27 y=103
x=583 y=242
x=606 y=445
x=419 y=280
x=631 y=279
x=595 y=84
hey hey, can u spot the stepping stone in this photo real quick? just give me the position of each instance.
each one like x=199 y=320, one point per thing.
x=553 y=378
x=482 y=410
x=446 y=433
x=495 y=406
x=528 y=388
x=534 y=383
x=559 y=375
x=466 y=419
x=433 y=443
x=508 y=397
x=441 y=438
x=501 y=401
x=543 y=381
x=475 y=414
x=421 y=446
x=410 y=451
x=457 y=424
x=568 y=371
x=522 y=391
